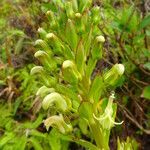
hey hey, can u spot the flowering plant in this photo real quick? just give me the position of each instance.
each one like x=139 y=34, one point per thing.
x=68 y=52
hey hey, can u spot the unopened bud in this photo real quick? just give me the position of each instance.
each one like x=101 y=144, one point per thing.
x=100 y=38
x=40 y=54
x=42 y=91
x=36 y=69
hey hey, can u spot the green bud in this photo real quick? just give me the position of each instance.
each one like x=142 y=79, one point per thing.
x=46 y=60
x=69 y=10
x=95 y=15
x=111 y=76
x=79 y=23
x=40 y=54
x=42 y=91
x=55 y=99
x=52 y=19
x=75 y=5
x=46 y=78
x=97 y=48
x=70 y=72
x=55 y=43
x=36 y=69
x=42 y=33
x=100 y=38
x=59 y=123
x=42 y=45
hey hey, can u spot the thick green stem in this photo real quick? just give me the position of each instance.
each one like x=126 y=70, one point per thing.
x=98 y=135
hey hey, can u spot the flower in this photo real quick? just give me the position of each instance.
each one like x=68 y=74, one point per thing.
x=107 y=118
x=57 y=99
x=58 y=122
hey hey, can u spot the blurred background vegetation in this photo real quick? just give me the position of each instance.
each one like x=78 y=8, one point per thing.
x=126 y=27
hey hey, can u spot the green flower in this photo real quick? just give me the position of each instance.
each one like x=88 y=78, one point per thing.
x=59 y=123
x=107 y=119
x=55 y=98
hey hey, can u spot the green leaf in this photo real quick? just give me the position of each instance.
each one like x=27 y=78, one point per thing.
x=54 y=140
x=146 y=92
x=145 y=22
x=21 y=143
x=86 y=111
x=80 y=58
x=71 y=35
x=96 y=89
x=5 y=139
x=36 y=144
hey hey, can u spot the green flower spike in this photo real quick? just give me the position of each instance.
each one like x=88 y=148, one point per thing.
x=59 y=123
x=107 y=118
x=55 y=99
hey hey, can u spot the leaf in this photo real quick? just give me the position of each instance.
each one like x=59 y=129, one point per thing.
x=80 y=58
x=36 y=144
x=21 y=143
x=71 y=35
x=145 y=22
x=54 y=140
x=96 y=89
x=86 y=110
x=6 y=138
x=146 y=92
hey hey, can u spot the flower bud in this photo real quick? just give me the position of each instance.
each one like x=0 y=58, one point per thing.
x=59 y=123
x=113 y=74
x=55 y=43
x=95 y=15
x=97 y=48
x=79 y=23
x=52 y=19
x=46 y=60
x=42 y=32
x=78 y=15
x=70 y=72
x=69 y=10
x=36 y=69
x=71 y=35
x=40 y=54
x=42 y=91
x=100 y=38
x=55 y=99
x=48 y=80
x=43 y=45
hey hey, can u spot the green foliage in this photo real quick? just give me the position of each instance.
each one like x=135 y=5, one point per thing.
x=76 y=70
